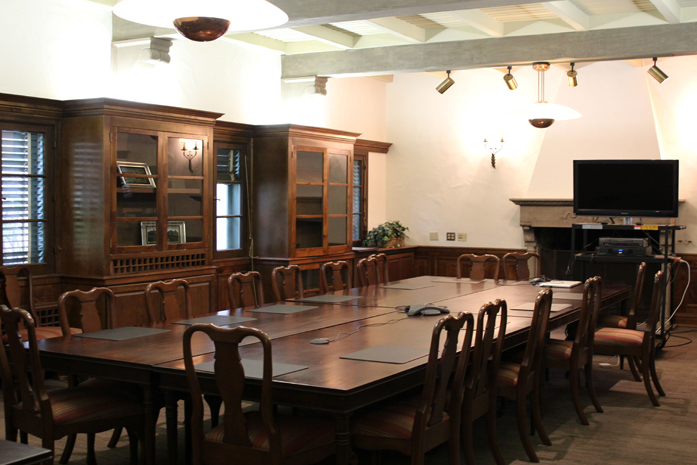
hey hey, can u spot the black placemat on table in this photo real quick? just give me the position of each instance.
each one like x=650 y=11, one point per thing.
x=254 y=368
x=387 y=354
x=122 y=334
x=329 y=298
x=220 y=320
x=283 y=309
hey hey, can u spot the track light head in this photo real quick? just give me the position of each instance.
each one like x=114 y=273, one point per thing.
x=656 y=72
x=446 y=84
x=510 y=80
x=572 y=76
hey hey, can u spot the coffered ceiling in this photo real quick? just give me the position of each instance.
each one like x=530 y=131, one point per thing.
x=372 y=37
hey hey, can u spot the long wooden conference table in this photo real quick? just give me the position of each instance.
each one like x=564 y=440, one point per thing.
x=356 y=319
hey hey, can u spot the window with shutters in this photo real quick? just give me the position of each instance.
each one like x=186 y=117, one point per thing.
x=24 y=188
x=230 y=196
x=360 y=198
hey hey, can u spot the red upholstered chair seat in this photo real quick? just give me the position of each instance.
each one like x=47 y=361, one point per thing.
x=43 y=332
x=613 y=321
x=619 y=337
x=559 y=350
x=80 y=405
x=508 y=374
x=298 y=434
x=393 y=421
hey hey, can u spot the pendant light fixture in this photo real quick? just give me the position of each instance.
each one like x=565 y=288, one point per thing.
x=542 y=114
x=202 y=20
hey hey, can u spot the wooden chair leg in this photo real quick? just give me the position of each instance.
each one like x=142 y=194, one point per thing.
x=535 y=404
x=468 y=438
x=47 y=442
x=23 y=437
x=68 y=449
x=590 y=386
x=521 y=413
x=645 y=364
x=633 y=367
x=133 y=445
x=115 y=437
x=574 y=383
x=10 y=433
x=454 y=444
x=491 y=432
x=91 y=458
x=654 y=376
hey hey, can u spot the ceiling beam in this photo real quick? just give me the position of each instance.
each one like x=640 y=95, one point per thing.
x=401 y=28
x=670 y=9
x=570 y=14
x=328 y=36
x=309 y=12
x=594 y=45
x=480 y=20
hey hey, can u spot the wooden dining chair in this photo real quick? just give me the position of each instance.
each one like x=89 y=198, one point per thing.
x=518 y=381
x=418 y=424
x=383 y=267
x=245 y=290
x=168 y=307
x=516 y=265
x=78 y=313
x=638 y=344
x=252 y=438
x=480 y=384
x=368 y=272
x=478 y=266
x=334 y=276
x=51 y=415
x=572 y=356
x=287 y=283
x=17 y=291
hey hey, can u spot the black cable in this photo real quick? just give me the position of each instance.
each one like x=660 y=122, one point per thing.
x=689 y=341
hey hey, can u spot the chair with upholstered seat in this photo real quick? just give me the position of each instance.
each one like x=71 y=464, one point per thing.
x=51 y=415
x=575 y=355
x=416 y=425
x=640 y=344
x=516 y=266
x=368 y=272
x=478 y=266
x=517 y=381
x=245 y=290
x=287 y=283
x=169 y=308
x=480 y=384
x=258 y=437
x=334 y=276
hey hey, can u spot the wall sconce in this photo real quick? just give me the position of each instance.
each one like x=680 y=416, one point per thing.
x=493 y=148
x=446 y=84
x=656 y=72
x=188 y=151
x=572 y=76
x=510 y=80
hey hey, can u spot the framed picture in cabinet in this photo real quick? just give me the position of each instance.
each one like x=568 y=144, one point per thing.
x=132 y=167
x=176 y=232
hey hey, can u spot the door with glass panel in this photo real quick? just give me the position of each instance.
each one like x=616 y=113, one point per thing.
x=230 y=196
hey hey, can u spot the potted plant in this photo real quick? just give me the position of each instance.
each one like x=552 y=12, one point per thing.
x=387 y=235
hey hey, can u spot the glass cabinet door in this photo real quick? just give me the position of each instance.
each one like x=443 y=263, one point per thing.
x=338 y=195
x=184 y=190
x=309 y=200
x=136 y=188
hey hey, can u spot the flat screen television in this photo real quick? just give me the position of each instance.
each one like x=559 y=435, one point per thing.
x=626 y=188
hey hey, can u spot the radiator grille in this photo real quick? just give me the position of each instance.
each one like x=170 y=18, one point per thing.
x=167 y=262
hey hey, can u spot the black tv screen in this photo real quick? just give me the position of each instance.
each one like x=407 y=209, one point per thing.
x=626 y=188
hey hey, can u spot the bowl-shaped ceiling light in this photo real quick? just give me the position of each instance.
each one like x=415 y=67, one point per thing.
x=542 y=114
x=203 y=20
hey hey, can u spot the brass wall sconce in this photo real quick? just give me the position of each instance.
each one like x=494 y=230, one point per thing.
x=493 y=148
x=188 y=151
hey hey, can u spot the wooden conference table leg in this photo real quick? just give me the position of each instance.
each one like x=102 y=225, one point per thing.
x=171 y=416
x=343 y=439
x=150 y=424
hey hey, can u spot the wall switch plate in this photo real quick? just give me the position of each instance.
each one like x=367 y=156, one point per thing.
x=433 y=236
x=450 y=236
x=462 y=237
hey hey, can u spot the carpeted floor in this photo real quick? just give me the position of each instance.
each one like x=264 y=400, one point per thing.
x=631 y=431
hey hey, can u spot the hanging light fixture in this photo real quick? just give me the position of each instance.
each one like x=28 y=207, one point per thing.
x=572 y=76
x=510 y=80
x=656 y=72
x=446 y=84
x=542 y=114
x=202 y=20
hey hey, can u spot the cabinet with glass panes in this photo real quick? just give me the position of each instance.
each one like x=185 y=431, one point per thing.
x=302 y=191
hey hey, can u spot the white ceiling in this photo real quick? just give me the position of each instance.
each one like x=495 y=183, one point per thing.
x=353 y=25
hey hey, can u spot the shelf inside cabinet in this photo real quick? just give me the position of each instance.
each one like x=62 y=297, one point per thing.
x=135 y=190
x=183 y=191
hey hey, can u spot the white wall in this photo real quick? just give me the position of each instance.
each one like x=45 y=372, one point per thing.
x=56 y=49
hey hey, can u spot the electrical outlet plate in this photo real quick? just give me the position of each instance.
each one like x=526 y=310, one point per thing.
x=433 y=236
x=450 y=236
x=462 y=237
